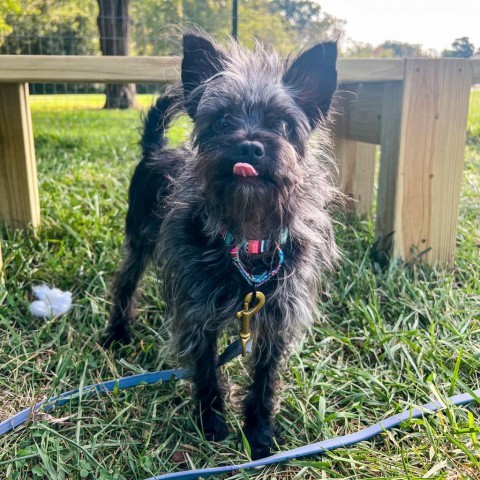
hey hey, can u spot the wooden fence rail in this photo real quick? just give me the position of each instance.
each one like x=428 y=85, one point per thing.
x=415 y=109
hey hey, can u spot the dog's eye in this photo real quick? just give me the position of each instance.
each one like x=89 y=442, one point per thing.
x=282 y=128
x=221 y=123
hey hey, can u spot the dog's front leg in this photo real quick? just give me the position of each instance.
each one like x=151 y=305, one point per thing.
x=269 y=351
x=208 y=390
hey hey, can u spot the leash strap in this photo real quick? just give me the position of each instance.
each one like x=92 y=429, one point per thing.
x=328 y=445
x=232 y=351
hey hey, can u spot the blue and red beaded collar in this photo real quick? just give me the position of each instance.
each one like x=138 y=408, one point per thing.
x=255 y=247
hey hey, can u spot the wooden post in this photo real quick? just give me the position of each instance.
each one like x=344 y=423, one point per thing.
x=388 y=172
x=423 y=142
x=19 y=203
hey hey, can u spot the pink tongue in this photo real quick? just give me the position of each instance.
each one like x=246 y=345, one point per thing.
x=244 y=170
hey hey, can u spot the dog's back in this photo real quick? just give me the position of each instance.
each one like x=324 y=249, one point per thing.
x=152 y=179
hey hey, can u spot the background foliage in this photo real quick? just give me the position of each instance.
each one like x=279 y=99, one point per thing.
x=65 y=27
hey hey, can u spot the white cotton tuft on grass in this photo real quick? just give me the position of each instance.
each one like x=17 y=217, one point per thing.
x=51 y=301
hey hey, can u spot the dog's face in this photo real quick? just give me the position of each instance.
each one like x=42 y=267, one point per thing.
x=253 y=115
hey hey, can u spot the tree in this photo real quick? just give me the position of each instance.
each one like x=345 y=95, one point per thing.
x=307 y=19
x=113 y=26
x=157 y=25
x=461 y=48
x=388 y=49
x=256 y=22
x=47 y=27
x=402 y=49
x=301 y=14
x=286 y=24
x=7 y=7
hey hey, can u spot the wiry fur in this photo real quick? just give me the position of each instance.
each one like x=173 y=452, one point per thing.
x=181 y=199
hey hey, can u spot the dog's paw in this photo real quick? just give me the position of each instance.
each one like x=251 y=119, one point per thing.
x=261 y=441
x=214 y=426
x=115 y=338
x=261 y=451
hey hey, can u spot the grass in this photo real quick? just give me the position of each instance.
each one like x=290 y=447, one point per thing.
x=89 y=101
x=389 y=339
x=473 y=129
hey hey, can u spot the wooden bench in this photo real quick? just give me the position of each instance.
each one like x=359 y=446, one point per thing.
x=415 y=109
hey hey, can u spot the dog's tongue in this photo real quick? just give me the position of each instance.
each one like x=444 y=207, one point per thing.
x=244 y=170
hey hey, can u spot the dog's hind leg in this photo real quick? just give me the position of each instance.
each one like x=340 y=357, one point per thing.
x=142 y=229
x=124 y=288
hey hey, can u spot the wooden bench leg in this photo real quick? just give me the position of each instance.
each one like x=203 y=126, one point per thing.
x=422 y=155
x=19 y=203
x=388 y=172
x=356 y=173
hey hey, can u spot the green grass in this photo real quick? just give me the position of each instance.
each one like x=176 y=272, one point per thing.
x=388 y=339
x=473 y=130
x=89 y=101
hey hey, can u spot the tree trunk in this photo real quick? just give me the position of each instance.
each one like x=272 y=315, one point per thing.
x=113 y=26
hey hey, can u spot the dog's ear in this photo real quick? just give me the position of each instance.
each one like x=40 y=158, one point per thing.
x=312 y=80
x=201 y=60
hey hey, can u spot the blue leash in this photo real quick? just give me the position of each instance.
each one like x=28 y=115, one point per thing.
x=327 y=445
x=232 y=351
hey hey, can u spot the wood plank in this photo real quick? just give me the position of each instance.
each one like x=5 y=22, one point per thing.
x=62 y=68
x=19 y=203
x=362 y=103
x=59 y=68
x=369 y=69
x=431 y=157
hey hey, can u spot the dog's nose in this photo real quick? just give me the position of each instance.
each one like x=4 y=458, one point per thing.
x=249 y=150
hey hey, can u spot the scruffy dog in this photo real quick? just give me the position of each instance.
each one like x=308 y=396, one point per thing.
x=244 y=208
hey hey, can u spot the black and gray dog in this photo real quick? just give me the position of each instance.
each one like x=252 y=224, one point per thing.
x=246 y=205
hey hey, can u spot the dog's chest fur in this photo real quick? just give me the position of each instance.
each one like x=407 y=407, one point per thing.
x=203 y=289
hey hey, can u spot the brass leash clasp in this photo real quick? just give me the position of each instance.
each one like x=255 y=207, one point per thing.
x=246 y=314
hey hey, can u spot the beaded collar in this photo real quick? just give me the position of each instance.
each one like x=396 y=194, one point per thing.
x=255 y=247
